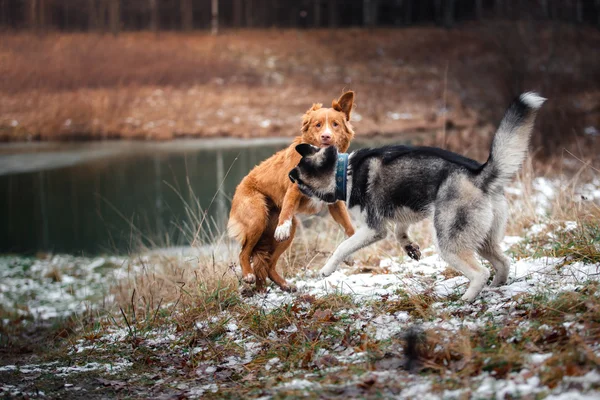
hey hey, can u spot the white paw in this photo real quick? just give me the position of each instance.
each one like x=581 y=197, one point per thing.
x=469 y=298
x=327 y=270
x=283 y=231
x=250 y=278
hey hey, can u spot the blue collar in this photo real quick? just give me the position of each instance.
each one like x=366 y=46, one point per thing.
x=341 y=171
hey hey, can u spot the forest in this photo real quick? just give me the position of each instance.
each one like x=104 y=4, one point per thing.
x=184 y=15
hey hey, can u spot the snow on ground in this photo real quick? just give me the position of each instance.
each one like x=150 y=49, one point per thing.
x=63 y=285
x=58 y=286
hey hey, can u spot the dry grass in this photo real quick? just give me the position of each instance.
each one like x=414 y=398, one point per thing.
x=190 y=303
x=257 y=83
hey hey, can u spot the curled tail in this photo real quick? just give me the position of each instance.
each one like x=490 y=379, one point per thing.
x=510 y=143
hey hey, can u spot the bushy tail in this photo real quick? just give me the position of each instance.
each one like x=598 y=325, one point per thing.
x=510 y=143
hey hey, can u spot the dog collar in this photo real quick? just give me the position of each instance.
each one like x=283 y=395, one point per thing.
x=341 y=171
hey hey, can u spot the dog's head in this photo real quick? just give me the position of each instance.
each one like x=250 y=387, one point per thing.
x=315 y=173
x=325 y=127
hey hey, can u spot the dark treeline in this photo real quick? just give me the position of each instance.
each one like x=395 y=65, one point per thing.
x=156 y=15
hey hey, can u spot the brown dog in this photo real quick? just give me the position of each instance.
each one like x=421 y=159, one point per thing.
x=265 y=203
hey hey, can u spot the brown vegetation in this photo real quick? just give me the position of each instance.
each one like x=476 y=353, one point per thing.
x=257 y=83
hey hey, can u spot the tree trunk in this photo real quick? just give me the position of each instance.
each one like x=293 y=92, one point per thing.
x=367 y=11
x=102 y=9
x=41 y=9
x=115 y=17
x=237 y=13
x=187 y=15
x=545 y=11
x=438 y=11
x=154 y=16
x=408 y=12
x=499 y=9
x=449 y=13
x=333 y=13
x=479 y=9
x=32 y=15
x=92 y=16
x=578 y=11
x=214 y=21
x=317 y=16
x=249 y=10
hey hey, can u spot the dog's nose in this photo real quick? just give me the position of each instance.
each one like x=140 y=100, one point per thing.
x=325 y=137
x=293 y=175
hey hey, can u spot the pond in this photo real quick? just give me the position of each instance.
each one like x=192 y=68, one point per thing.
x=112 y=197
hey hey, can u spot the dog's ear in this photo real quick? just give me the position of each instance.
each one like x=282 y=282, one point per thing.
x=305 y=149
x=344 y=104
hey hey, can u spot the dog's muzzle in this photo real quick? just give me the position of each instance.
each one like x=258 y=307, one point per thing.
x=293 y=175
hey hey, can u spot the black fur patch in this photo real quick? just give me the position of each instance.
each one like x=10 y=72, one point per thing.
x=460 y=221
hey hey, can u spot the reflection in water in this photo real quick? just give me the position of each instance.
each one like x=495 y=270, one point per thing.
x=114 y=205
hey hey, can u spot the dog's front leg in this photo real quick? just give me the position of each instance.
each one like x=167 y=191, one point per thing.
x=291 y=200
x=339 y=212
x=363 y=237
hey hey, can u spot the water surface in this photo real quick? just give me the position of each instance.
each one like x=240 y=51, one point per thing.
x=111 y=197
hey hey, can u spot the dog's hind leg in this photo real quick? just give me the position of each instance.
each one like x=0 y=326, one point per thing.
x=466 y=263
x=490 y=249
x=493 y=253
x=278 y=249
x=363 y=237
x=249 y=228
x=412 y=249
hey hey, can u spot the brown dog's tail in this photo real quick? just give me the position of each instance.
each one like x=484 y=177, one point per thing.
x=235 y=230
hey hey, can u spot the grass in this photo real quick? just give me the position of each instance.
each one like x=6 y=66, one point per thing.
x=257 y=83
x=179 y=320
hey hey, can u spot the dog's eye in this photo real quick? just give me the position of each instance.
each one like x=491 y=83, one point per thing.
x=335 y=124
x=318 y=124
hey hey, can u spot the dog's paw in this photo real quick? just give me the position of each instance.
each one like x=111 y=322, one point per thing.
x=288 y=287
x=283 y=231
x=498 y=281
x=326 y=271
x=249 y=279
x=469 y=298
x=413 y=250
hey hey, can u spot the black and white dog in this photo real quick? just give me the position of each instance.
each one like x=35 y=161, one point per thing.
x=407 y=184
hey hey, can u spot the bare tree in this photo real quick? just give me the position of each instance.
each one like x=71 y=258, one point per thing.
x=154 y=16
x=408 y=12
x=214 y=20
x=187 y=15
x=333 y=13
x=249 y=16
x=102 y=11
x=449 y=13
x=479 y=9
x=578 y=11
x=499 y=8
x=369 y=17
x=545 y=11
x=237 y=13
x=115 y=16
x=92 y=15
x=317 y=11
x=32 y=14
